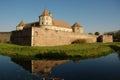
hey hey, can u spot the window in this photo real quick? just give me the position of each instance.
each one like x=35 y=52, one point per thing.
x=46 y=22
x=46 y=18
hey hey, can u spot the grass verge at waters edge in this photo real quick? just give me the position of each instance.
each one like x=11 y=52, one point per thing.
x=59 y=52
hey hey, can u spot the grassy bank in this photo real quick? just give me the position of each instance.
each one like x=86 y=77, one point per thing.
x=67 y=51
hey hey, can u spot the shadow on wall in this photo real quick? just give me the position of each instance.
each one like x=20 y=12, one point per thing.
x=79 y=41
x=99 y=39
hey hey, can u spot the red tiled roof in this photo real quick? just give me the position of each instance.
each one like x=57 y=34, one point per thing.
x=76 y=25
x=55 y=23
x=28 y=25
x=61 y=24
x=45 y=13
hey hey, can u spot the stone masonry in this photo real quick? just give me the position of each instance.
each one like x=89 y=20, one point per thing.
x=5 y=36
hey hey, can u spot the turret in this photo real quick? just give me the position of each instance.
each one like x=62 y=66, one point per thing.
x=50 y=14
x=77 y=28
x=45 y=18
x=20 y=26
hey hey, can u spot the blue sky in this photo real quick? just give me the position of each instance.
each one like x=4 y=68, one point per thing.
x=93 y=15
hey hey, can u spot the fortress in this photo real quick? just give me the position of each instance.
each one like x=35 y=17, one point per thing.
x=50 y=32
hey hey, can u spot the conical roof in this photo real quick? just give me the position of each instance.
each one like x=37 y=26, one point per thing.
x=45 y=13
x=76 y=25
x=21 y=23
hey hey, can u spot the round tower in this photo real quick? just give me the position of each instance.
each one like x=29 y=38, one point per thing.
x=45 y=18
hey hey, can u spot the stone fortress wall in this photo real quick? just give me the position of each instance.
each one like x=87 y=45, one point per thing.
x=105 y=38
x=36 y=36
x=21 y=37
x=5 y=36
x=46 y=37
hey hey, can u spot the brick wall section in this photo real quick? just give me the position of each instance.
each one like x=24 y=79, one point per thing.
x=21 y=37
x=5 y=36
x=45 y=37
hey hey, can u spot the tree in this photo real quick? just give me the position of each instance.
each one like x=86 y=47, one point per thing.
x=97 y=33
x=90 y=33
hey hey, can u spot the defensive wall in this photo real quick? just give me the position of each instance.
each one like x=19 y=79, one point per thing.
x=21 y=37
x=5 y=36
x=105 y=38
x=46 y=37
x=36 y=36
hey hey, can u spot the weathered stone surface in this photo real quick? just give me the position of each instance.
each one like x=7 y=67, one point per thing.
x=5 y=36
x=37 y=36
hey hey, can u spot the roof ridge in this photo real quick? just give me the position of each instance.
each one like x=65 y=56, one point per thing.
x=32 y=22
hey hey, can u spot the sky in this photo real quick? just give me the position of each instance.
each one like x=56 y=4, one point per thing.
x=94 y=15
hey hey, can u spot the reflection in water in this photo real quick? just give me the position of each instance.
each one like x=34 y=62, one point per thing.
x=118 y=52
x=40 y=66
x=102 y=68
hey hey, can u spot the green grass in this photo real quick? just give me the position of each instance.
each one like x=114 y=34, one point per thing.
x=59 y=52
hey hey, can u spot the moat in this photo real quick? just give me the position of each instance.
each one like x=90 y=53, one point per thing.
x=102 y=68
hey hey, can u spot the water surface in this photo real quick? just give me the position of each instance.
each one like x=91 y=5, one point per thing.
x=102 y=68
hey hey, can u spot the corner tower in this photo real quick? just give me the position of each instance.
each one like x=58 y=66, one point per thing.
x=77 y=28
x=20 y=26
x=45 y=19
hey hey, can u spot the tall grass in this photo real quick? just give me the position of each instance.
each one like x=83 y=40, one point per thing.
x=66 y=51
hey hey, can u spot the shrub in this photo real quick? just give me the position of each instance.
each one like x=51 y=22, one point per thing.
x=79 y=41
x=8 y=42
